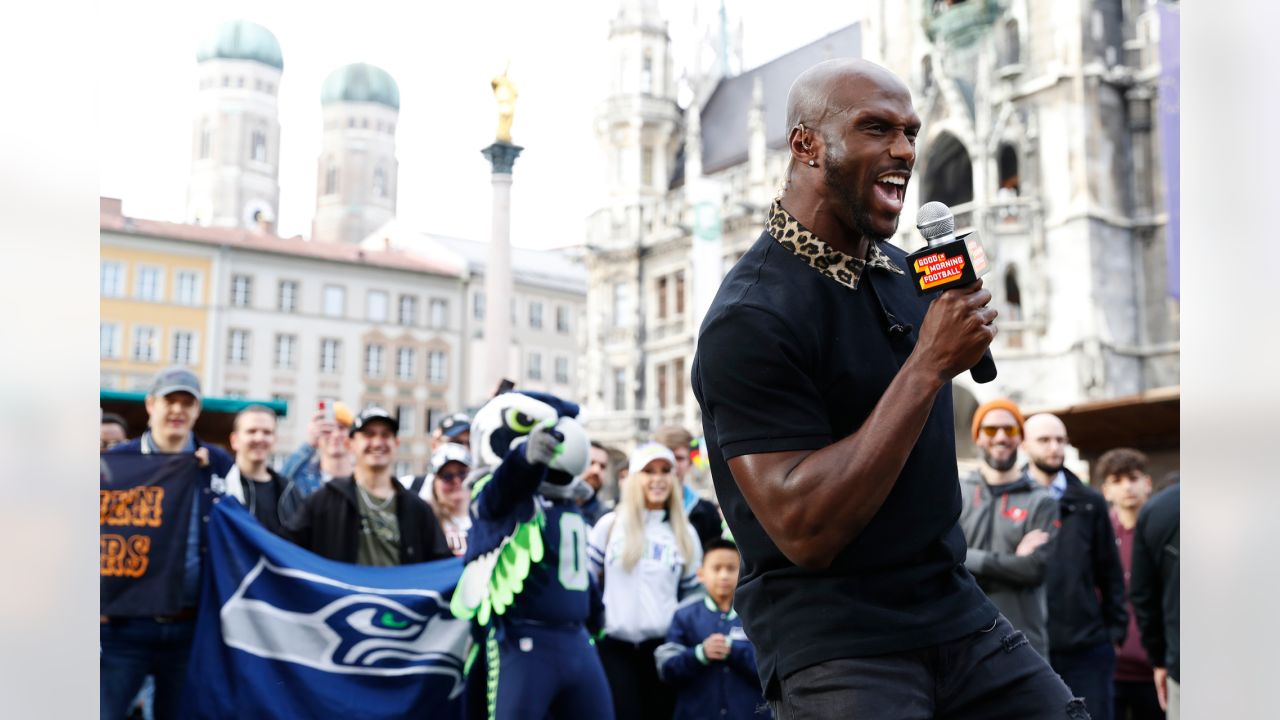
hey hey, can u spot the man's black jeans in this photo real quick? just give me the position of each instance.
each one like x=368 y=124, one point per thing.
x=989 y=675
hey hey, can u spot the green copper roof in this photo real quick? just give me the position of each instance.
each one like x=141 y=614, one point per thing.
x=242 y=40
x=360 y=83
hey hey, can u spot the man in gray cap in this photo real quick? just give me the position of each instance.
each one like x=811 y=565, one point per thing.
x=135 y=647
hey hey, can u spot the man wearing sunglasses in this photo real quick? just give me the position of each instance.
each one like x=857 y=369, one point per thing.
x=1008 y=521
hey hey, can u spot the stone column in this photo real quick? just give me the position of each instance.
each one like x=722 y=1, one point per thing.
x=497 y=273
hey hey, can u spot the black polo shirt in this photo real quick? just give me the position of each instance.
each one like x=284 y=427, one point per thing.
x=794 y=353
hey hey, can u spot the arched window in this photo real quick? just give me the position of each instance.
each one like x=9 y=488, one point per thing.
x=1013 y=305
x=1007 y=165
x=1011 y=46
x=948 y=178
x=926 y=72
x=259 y=146
x=206 y=141
x=331 y=180
x=646 y=73
x=380 y=182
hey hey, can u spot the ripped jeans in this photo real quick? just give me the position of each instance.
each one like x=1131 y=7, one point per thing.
x=991 y=674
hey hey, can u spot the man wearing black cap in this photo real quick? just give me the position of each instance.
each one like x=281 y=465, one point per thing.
x=134 y=647
x=455 y=428
x=369 y=518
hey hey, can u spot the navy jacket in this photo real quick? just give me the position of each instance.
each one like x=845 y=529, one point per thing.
x=1085 y=580
x=728 y=688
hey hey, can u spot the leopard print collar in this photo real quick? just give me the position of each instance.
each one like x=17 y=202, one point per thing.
x=844 y=269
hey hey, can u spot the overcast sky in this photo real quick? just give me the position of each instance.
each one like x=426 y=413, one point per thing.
x=442 y=55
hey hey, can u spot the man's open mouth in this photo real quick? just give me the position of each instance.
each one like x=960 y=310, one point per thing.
x=891 y=190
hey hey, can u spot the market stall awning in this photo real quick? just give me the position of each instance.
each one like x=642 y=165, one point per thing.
x=1148 y=421
x=216 y=413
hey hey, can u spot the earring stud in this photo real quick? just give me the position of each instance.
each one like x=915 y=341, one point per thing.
x=813 y=163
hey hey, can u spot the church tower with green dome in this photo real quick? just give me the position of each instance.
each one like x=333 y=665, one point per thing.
x=356 y=178
x=235 y=145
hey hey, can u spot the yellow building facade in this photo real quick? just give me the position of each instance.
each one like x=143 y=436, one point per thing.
x=156 y=295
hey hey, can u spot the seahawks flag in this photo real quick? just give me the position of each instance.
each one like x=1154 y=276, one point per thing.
x=285 y=633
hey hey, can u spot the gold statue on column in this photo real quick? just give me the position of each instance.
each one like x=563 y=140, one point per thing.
x=504 y=91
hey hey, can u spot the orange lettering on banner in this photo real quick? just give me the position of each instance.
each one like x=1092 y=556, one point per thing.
x=135 y=562
x=148 y=507
x=122 y=557
x=111 y=548
x=139 y=507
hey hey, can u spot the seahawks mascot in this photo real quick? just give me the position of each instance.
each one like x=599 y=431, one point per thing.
x=525 y=585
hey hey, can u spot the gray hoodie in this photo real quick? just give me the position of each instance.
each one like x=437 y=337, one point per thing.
x=994 y=519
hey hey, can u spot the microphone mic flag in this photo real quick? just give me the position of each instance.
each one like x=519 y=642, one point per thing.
x=949 y=261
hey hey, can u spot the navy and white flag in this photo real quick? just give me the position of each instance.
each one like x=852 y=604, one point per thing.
x=144 y=505
x=285 y=633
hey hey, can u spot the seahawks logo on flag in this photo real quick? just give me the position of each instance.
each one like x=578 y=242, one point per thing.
x=296 y=616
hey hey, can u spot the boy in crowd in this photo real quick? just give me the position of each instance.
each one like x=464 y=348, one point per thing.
x=707 y=656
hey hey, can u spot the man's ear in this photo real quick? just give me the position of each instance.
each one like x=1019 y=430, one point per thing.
x=805 y=144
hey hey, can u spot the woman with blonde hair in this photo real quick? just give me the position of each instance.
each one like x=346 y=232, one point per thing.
x=645 y=556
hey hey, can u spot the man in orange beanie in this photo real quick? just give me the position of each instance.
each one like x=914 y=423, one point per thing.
x=1007 y=520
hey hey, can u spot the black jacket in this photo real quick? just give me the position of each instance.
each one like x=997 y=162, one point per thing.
x=1154 y=585
x=1085 y=580
x=329 y=524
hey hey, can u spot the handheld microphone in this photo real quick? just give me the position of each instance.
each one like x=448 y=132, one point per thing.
x=949 y=261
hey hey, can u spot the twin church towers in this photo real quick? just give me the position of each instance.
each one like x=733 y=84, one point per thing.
x=235 y=161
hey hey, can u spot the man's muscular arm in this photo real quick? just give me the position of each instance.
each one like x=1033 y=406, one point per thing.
x=814 y=503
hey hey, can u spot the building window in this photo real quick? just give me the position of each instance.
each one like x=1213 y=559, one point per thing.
x=206 y=142
x=405 y=416
x=438 y=313
x=150 y=283
x=286 y=349
x=108 y=340
x=562 y=319
x=238 y=347
x=146 y=343
x=535 y=315
x=380 y=182
x=619 y=389
x=477 y=306
x=660 y=292
x=646 y=74
x=661 y=381
x=376 y=306
x=187 y=290
x=562 y=370
x=680 y=293
x=403 y=468
x=535 y=366
x=406 y=359
x=184 y=347
x=1013 y=298
x=646 y=166
x=241 y=290
x=331 y=180
x=288 y=296
x=408 y=311
x=335 y=301
x=112 y=279
x=258 y=151
x=330 y=352
x=373 y=360
x=681 y=382
x=622 y=305
x=436 y=367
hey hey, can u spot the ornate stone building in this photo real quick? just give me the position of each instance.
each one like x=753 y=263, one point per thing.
x=357 y=169
x=1040 y=131
x=235 y=144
